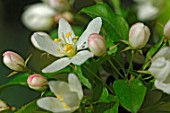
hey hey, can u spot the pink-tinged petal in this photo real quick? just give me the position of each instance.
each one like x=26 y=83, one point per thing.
x=81 y=57
x=43 y=42
x=165 y=87
x=59 y=87
x=93 y=27
x=75 y=85
x=63 y=29
x=52 y=104
x=57 y=65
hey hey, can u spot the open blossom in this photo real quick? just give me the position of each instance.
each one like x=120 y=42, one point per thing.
x=69 y=96
x=167 y=30
x=160 y=69
x=38 y=17
x=138 y=35
x=68 y=46
x=37 y=82
x=13 y=61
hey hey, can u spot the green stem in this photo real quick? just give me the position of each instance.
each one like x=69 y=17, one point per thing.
x=99 y=79
x=130 y=63
x=123 y=69
x=113 y=66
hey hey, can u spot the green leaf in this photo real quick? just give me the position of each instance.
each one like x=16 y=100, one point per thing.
x=115 y=26
x=130 y=93
x=82 y=78
x=20 y=79
x=29 y=108
x=114 y=108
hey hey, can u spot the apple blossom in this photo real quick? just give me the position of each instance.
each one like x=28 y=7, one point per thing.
x=69 y=96
x=68 y=46
x=167 y=30
x=160 y=69
x=13 y=61
x=97 y=44
x=38 y=17
x=138 y=35
x=37 y=82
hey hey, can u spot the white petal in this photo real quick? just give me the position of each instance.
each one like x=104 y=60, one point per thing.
x=81 y=57
x=160 y=69
x=72 y=100
x=146 y=11
x=63 y=29
x=163 y=52
x=59 y=87
x=93 y=27
x=52 y=104
x=42 y=41
x=57 y=65
x=165 y=87
x=75 y=85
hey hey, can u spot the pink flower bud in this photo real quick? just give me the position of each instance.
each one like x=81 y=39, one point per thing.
x=138 y=35
x=13 y=61
x=97 y=44
x=37 y=82
x=167 y=30
x=3 y=106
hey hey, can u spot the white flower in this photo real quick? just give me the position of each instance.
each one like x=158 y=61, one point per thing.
x=69 y=96
x=147 y=11
x=38 y=17
x=160 y=69
x=167 y=30
x=67 y=46
x=3 y=106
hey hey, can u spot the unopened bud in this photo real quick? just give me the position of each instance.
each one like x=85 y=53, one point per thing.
x=96 y=44
x=13 y=61
x=167 y=30
x=37 y=82
x=3 y=106
x=38 y=17
x=138 y=35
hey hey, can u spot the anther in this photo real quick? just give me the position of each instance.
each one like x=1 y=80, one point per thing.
x=68 y=34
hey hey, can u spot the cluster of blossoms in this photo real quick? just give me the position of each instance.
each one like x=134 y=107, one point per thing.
x=43 y=16
x=71 y=49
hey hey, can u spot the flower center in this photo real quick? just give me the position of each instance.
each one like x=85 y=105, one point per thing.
x=62 y=100
x=67 y=44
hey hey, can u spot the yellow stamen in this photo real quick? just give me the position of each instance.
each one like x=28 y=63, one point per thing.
x=76 y=37
x=66 y=106
x=58 y=49
x=60 y=98
x=57 y=39
x=61 y=45
x=74 y=40
x=68 y=47
x=68 y=34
